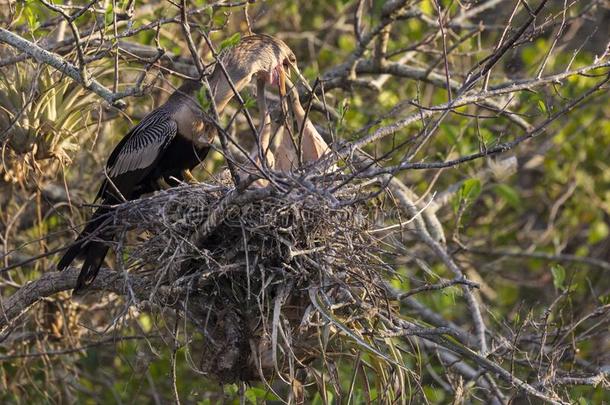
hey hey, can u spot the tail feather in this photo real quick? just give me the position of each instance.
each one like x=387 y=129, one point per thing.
x=93 y=252
x=75 y=251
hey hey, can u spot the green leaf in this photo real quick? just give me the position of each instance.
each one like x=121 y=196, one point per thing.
x=341 y=110
x=470 y=189
x=451 y=132
x=202 y=99
x=486 y=135
x=147 y=37
x=508 y=194
x=230 y=42
x=255 y=395
x=249 y=101
x=346 y=43
x=146 y=323
x=598 y=231
x=219 y=20
x=210 y=12
x=31 y=17
x=559 y=276
x=108 y=14
x=542 y=106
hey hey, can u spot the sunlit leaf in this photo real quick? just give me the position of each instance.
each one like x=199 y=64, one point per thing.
x=470 y=189
x=508 y=194
x=598 y=231
x=559 y=276
x=230 y=42
x=109 y=14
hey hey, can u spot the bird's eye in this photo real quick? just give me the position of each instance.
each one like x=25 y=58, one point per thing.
x=291 y=60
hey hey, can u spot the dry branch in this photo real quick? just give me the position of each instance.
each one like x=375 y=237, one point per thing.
x=260 y=284
x=43 y=56
x=54 y=282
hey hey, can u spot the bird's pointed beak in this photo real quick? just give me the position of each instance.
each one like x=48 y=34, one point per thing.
x=282 y=81
x=277 y=77
x=303 y=80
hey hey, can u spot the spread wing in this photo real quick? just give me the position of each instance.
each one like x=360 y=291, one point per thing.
x=138 y=152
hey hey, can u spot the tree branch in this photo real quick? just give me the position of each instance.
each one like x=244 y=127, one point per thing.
x=53 y=282
x=43 y=56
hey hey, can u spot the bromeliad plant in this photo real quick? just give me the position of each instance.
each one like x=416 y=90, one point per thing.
x=41 y=114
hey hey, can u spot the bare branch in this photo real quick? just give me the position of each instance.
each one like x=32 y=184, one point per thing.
x=56 y=61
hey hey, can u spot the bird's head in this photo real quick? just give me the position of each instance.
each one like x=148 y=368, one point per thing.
x=264 y=57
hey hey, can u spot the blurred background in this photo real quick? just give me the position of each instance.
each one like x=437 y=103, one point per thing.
x=530 y=225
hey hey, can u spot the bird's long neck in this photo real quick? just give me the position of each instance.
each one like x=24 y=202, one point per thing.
x=219 y=85
x=186 y=93
x=221 y=89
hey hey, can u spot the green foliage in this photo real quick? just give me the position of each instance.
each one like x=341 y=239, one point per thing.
x=508 y=194
x=598 y=232
x=109 y=14
x=559 y=276
x=203 y=99
x=470 y=189
x=230 y=42
x=557 y=202
x=249 y=101
x=41 y=113
x=31 y=16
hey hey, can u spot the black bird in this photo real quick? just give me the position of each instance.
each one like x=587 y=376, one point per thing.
x=172 y=140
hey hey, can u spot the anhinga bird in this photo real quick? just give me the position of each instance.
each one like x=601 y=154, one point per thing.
x=311 y=144
x=290 y=154
x=173 y=139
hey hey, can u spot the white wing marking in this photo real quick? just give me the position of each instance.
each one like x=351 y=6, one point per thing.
x=144 y=147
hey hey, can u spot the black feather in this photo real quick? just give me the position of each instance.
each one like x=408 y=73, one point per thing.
x=92 y=229
x=149 y=152
x=95 y=254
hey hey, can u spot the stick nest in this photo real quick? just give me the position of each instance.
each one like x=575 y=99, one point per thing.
x=271 y=279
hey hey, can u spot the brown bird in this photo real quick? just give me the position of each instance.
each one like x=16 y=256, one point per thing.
x=285 y=158
x=311 y=144
x=172 y=140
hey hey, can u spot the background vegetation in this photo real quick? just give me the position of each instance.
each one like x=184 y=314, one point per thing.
x=494 y=115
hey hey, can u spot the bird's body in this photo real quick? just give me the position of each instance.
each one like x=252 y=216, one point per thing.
x=170 y=141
